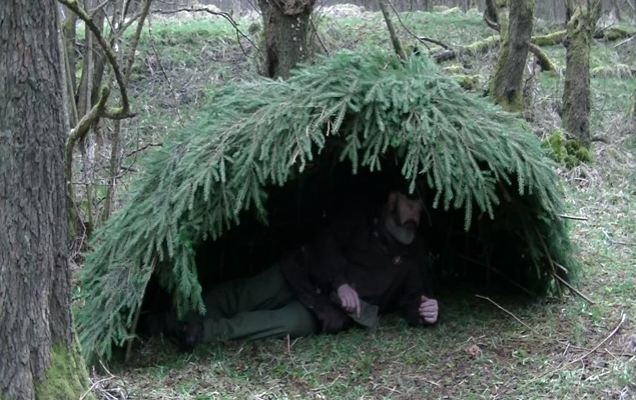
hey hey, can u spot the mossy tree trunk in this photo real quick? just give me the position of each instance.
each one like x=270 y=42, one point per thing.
x=515 y=27
x=39 y=359
x=576 y=92
x=286 y=23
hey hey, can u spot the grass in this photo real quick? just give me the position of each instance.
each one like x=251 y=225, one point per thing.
x=477 y=351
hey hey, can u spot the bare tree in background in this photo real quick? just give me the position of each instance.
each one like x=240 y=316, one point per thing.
x=582 y=17
x=515 y=27
x=102 y=59
x=39 y=357
x=286 y=23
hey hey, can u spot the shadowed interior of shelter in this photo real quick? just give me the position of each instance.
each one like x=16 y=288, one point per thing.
x=488 y=258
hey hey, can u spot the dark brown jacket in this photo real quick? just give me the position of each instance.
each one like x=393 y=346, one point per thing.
x=359 y=251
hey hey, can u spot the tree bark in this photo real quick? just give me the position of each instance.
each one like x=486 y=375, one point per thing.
x=515 y=30
x=40 y=359
x=286 y=24
x=576 y=92
x=490 y=11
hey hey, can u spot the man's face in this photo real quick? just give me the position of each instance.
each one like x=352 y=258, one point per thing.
x=404 y=217
x=407 y=211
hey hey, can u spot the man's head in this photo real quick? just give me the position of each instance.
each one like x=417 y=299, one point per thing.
x=402 y=217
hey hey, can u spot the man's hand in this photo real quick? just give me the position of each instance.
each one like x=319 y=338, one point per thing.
x=349 y=299
x=428 y=310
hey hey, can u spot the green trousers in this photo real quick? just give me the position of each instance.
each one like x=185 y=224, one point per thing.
x=254 y=308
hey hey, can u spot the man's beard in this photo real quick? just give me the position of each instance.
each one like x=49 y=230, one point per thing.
x=403 y=233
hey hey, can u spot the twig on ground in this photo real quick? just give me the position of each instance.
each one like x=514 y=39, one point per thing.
x=621 y=354
x=629 y=39
x=573 y=217
x=572 y=288
x=506 y=311
x=94 y=385
x=609 y=239
x=578 y=359
x=618 y=326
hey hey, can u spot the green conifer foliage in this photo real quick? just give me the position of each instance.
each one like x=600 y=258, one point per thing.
x=264 y=133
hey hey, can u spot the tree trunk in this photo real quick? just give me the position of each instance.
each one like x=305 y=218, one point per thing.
x=516 y=31
x=397 y=46
x=490 y=12
x=40 y=359
x=576 y=91
x=286 y=25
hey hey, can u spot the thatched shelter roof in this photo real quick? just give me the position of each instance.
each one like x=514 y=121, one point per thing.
x=370 y=112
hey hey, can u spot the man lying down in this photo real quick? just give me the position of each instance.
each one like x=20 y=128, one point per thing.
x=366 y=263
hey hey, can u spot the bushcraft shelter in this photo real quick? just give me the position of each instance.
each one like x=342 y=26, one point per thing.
x=268 y=162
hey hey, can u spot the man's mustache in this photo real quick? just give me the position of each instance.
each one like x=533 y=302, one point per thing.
x=410 y=224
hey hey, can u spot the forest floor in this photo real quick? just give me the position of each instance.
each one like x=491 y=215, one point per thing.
x=497 y=348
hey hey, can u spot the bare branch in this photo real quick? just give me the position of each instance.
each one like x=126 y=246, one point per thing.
x=98 y=8
x=313 y=27
x=135 y=39
x=123 y=112
x=421 y=39
x=223 y=14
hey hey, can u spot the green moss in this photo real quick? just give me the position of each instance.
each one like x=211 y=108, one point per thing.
x=468 y=82
x=569 y=153
x=454 y=69
x=66 y=377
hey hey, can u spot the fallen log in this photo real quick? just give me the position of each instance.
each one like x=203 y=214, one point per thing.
x=610 y=34
x=484 y=45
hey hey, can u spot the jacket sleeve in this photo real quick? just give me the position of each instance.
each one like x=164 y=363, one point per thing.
x=296 y=272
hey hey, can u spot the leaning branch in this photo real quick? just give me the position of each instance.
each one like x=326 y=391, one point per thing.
x=135 y=39
x=124 y=111
x=399 y=50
